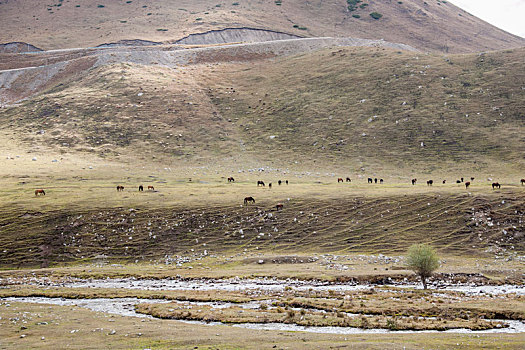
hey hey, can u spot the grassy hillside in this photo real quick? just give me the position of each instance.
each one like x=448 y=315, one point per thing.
x=364 y=110
x=375 y=109
x=433 y=25
x=343 y=220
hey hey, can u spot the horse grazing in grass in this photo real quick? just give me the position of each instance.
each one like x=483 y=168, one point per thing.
x=414 y=181
x=39 y=192
x=141 y=188
x=340 y=180
x=496 y=185
x=430 y=182
x=287 y=182
x=151 y=188
x=279 y=206
x=120 y=188
x=370 y=180
x=458 y=181
x=279 y=182
x=260 y=183
x=380 y=181
x=249 y=200
x=348 y=179
x=444 y=182
x=270 y=185
x=231 y=179
x=471 y=179
x=522 y=182
x=467 y=184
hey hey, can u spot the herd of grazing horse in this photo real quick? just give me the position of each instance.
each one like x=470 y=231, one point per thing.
x=279 y=206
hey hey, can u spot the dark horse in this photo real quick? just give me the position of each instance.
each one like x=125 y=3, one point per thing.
x=340 y=180
x=467 y=184
x=231 y=179
x=270 y=185
x=279 y=206
x=279 y=182
x=249 y=200
x=40 y=192
x=496 y=185
x=348 y=179
x=444 y=182
x=522 y=182
x=120 y=188
x=370 y=180
x=380 y=181
x=430 y=182
x=414 y=181
x=141 y=188
x=260 y=183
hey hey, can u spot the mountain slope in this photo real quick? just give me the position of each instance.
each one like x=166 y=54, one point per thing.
x=431 y=25
x=355 y=108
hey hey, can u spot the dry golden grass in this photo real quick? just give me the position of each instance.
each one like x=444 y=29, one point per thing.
x=308 y=318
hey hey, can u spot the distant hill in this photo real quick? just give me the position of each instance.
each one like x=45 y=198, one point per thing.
x=430 y=25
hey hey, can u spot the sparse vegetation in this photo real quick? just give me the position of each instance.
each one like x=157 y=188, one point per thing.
x=376 y=15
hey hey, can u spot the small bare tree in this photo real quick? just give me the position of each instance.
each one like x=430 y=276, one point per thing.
x=422 y=259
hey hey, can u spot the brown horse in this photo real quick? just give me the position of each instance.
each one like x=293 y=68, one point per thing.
x=120 y=188
x=467 y=184
x=340 y=180
x=151 y=188
x=40 y=192
x=279 y=206
x=231 y=179
x=249 y=200
x=430 y=182
x=522 y=182
x=496 y=185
